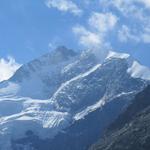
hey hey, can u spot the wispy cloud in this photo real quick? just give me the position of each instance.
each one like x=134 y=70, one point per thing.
x=65 y=6
x=136 y=12
x=7 y=67
x=146 y=35
x=94 y=35
x=102 y=21
x=145 y=2
x=125 y=34
x=87 y=38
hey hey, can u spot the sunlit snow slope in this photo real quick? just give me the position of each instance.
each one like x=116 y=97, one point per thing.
x=53 y=92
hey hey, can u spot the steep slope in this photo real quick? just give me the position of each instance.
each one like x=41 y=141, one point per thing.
x=81 y=133
x=132 y=128
x=102 y=81
x=98 y=95
x=40 y=78
x=60 y=92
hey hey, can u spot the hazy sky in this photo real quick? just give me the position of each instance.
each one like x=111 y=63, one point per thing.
x=30 y=28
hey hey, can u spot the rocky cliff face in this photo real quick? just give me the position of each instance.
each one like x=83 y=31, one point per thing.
x=132 y=128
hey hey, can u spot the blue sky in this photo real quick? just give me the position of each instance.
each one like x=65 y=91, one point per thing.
x=30 y=28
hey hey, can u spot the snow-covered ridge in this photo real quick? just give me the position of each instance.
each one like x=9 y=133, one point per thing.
x=138 y=71
x=135 y=69
x=113 y=54
x=45 y=117
x=105 y=99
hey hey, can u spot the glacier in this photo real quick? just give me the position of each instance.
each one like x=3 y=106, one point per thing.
x=50 y=93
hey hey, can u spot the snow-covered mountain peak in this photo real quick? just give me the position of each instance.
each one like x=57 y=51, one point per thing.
x=98 y=54
x=135 y=69
x=56 y=56
x=65 y=51
x=105 y=55
x=46 y=73
x=113 y=54
x=48 y=60
x=49 y=93
x=38 y=74
x=139 y=71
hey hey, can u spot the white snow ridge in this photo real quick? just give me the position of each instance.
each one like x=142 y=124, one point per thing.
x=50 y=93
x=139 y=71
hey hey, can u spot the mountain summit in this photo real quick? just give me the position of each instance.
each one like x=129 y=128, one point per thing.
x=40 y=77
x=66 y=96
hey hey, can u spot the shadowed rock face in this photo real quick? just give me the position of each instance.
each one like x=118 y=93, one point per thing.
x=132 y=128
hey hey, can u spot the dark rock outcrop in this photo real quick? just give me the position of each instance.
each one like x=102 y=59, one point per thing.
x=131 y=131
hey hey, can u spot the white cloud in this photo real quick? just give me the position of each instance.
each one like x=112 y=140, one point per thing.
x=135 y=13
x=65 y=6
x=87 y=38
x=103 y=21
x=125 y=34
x=146 y=38
x=146 y=35
x=94 y=35
x=128 y=8
x=7 y=68
x=145 y=2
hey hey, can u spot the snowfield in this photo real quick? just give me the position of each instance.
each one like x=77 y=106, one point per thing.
x=48 y=94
